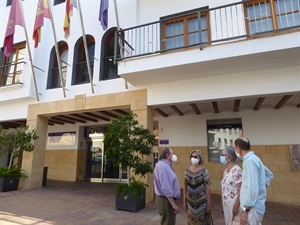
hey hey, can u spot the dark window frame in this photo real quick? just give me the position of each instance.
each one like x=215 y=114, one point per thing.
x=79 y=61
x=273 y=14
x=53 y=80
x=8 y=63
x=184 y=17
x=108 y=70
x=57 y=2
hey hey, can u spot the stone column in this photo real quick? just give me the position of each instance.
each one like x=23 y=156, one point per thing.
x=145 y=118
x=33 y=162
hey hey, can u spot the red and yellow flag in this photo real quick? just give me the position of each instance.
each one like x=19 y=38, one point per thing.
x=69 y=13
x=15 y=18
x=41 y=12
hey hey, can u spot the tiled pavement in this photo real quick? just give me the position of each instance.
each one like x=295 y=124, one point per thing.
x=84 y=203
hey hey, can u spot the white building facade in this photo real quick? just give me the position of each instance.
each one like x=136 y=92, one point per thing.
x=199 y=73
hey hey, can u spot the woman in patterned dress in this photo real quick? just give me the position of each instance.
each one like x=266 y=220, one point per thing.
x=196 y=191
x=231 y=184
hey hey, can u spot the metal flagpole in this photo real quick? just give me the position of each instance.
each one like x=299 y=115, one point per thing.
x=85 y=48
x=56 y=50
x=118 y=27
x=29 y=52
x=119 y=39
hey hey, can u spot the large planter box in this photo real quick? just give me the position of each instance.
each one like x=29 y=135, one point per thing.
x=128 y=202
x=8 y=184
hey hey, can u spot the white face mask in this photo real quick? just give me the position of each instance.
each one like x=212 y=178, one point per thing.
x=194 y=161
x=238 y=155
x=174 y=158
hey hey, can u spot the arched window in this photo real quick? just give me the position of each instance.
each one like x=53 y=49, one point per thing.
x=80 y=69
x=108 y=70
x=54 y=76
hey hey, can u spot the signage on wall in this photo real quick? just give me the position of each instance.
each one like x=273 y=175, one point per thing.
x=164 y=141
x=62 y=138
x=221 y=136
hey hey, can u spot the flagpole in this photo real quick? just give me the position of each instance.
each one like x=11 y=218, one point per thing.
x=56 y=50
x=119 y=39
x=118 y=27
x=29 y=51
x=85 y=48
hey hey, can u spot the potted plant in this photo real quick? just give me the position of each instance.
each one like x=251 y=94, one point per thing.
x=129 y=144
x=13 y=143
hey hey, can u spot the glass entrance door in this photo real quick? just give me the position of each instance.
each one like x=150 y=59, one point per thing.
x=100 y=168
x=94 y=161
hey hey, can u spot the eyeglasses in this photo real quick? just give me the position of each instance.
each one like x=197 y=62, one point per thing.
x=195 y=157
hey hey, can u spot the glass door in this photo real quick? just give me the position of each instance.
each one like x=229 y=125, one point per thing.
x=99 y=167
x=94 y=161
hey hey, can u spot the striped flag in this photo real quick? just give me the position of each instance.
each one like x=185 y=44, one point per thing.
x=69 y=12
x=41 y=12
x=15 y=18
x=103 y=14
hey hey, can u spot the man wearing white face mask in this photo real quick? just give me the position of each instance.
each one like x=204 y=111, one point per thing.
x=166 y=187
x=255 y=179
x=196 y=191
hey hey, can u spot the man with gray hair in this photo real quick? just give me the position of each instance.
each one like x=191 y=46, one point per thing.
x=166 y=187
x=256 y=178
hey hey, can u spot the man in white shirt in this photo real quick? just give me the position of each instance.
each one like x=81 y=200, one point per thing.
x=256 y=178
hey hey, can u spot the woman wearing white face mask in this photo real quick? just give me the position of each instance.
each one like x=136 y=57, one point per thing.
x=231 y=184
x=196 y=191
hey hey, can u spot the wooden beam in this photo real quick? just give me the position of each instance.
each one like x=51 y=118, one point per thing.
x=237 y=103
x=195 y=108
x=84 y=117
x=62 y=120
x=71 y=118
x=108 y=114
x=120 y=111
x=282 y=101
x=97 y=116
x=162 y=113
x=56 y=121
x=216 y=108
x=259 y=103
x=178 y=111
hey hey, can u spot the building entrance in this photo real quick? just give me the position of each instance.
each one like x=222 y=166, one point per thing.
x=99 y=168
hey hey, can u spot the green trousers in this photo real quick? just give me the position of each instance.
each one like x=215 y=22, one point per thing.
x=166 y=211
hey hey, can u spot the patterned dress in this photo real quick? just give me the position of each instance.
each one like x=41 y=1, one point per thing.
x=195 y=181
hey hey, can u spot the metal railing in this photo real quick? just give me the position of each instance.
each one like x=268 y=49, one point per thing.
x=232 y=22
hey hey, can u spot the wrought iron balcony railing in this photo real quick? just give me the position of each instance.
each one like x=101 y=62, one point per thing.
x=203 y=27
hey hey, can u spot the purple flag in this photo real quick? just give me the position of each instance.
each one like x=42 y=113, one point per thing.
x=103 y=14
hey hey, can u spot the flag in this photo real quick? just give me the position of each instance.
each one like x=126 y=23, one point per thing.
x=41 y=12
x=103 y=14
x=69 y=12
x=15 y=18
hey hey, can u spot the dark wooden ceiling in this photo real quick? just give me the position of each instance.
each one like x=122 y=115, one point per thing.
x=217 y=106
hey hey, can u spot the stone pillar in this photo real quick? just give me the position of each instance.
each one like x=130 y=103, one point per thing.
x=33 y=162
x=145 y=118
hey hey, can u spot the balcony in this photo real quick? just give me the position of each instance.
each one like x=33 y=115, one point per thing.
x=243 y=36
